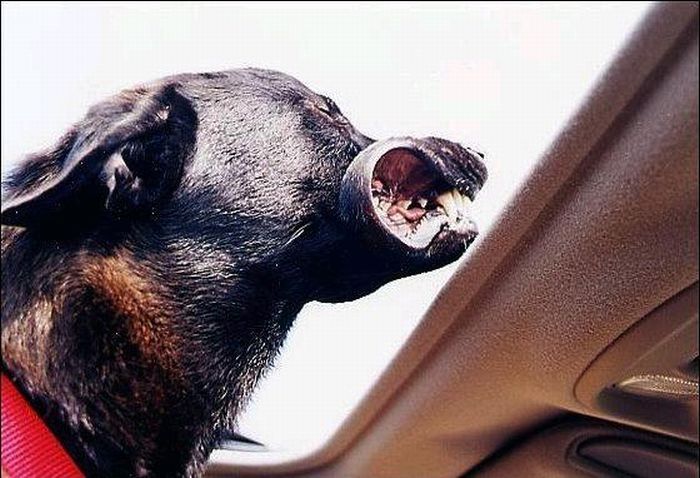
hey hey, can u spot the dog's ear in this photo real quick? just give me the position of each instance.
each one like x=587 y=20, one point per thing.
x=125 y=157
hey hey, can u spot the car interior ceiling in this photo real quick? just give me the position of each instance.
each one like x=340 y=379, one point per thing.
x=567 y=343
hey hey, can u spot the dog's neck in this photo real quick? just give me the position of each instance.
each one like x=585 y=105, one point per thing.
x=123 y=362
x=141 y=350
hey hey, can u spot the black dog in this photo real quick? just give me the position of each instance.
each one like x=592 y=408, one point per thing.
x=155 y=258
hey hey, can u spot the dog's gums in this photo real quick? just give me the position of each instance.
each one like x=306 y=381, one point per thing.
x=151 y=270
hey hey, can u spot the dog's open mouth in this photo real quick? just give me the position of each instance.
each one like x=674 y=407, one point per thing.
x=416 y=193
x=415 y=202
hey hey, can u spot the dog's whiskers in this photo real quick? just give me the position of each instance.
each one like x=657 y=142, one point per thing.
x=297 y=234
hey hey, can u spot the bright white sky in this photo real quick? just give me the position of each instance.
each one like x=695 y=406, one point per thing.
x=501 y=77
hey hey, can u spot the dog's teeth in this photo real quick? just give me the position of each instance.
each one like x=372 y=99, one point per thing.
x=458 y=199
x=466 y=202
x=375 y=201
x=447 y=201
x=422 y=202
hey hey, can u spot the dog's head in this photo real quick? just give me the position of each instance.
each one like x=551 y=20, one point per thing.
x=249 y=170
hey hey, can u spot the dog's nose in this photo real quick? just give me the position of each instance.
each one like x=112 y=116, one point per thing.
x=467 y=159
x=478 y=153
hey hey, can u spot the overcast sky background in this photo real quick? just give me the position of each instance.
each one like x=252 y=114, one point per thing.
x=500 y=77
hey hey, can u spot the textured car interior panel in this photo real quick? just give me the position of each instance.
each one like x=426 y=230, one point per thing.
x=580 y=447
x=602 y=235
x=644 y=378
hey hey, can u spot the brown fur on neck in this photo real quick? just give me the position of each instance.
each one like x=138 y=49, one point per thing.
x=107 y=317
x=127 y=288
x=124 y=287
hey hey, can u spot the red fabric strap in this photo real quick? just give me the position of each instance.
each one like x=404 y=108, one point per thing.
x=29 y=449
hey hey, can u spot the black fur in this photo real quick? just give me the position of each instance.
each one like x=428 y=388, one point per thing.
x=155 y=258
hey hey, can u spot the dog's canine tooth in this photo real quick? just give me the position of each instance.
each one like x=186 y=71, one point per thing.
x=447 y=201
x=458 y=199
x=466 y=203
x=422 y=202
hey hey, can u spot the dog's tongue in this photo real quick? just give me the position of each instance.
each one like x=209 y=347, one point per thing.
x=411 y=215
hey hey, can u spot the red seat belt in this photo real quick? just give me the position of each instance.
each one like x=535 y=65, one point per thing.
x=29 y=449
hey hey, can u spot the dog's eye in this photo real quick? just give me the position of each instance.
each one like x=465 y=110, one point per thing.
x=329 y=108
